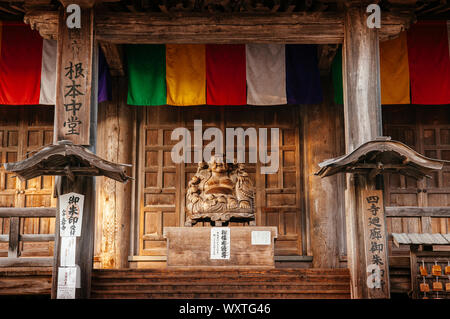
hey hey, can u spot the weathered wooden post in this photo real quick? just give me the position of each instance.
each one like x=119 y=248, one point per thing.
x=362 y=117
x=115 y=124
x=73 y=118
x=319 y=131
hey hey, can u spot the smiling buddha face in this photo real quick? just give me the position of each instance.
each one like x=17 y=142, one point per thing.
x=220 y=182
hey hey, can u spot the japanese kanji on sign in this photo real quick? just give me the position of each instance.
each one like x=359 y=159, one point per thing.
x=376 y=247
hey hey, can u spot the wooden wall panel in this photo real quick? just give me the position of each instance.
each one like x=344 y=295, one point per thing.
x=24 y=130
x=163 y=184
x=426 y=129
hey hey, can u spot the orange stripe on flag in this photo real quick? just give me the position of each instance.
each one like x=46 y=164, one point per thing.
x=394 y=71
x=186 y=74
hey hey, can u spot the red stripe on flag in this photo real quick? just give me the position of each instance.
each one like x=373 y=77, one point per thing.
x=429 y=63
x=20 y=65
x=225 y=74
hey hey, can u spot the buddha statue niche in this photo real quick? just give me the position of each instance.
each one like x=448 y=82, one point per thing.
x=220 y=192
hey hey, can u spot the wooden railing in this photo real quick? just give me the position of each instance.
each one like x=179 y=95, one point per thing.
x=14 y=236
x=424 y=213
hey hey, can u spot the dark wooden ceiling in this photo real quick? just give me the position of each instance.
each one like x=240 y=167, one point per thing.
x=435 y=9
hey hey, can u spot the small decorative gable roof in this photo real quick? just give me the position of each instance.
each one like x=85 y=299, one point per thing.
x=66 y=159
x=382 y=155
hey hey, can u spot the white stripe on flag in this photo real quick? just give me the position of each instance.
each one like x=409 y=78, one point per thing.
x=266 y=74
x=48 y=73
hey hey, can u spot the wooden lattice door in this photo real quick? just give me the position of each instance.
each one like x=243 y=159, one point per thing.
x=426 y=129
x=162 y=183
x=22 y=131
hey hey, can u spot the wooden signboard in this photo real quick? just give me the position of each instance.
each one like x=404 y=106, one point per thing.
x=376 y=244
x=221 y=247
x=73 y=82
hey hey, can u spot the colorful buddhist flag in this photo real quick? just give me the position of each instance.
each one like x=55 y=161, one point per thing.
x=429 y=62
x=186 y=74
x=225 y=74
x=266 y=74
x=146 y=74
x=104 y=78
x=48 y=73
x=394 y=71
x=20 y=64
x=302 y=75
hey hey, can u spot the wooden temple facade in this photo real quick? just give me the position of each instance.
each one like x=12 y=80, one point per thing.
x=320 y=249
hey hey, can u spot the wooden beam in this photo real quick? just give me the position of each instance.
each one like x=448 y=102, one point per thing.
x=44 y=21
x=26 y=262
x=37 y=237
x=413 y=211
x=27 y=212
x=114 y=57
x=318 y=27
x=279 y=27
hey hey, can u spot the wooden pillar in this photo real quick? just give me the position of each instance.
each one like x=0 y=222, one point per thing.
x=85 y=243
x=362 y=118
x=75 y=120
x=115 y=131
x=320 y=143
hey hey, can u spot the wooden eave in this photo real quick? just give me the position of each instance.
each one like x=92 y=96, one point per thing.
x=420 y=239
x=66 y=159
x=382 y=156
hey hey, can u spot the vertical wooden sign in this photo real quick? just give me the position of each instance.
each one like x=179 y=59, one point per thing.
x=74 y=77
x=376 y=244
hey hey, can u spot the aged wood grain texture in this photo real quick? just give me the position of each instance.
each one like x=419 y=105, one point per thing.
x=375 y=238
x=114 y=57
x=188 y=283
x=115 y=133
x=25 y=281
x=23 y=130
x=190 y=247
x=85 y=243
x=362 y=118
x=319 y=143
x=144 y=27
x=73 y=80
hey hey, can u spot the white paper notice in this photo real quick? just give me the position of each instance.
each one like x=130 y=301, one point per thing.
x=220 y=243
x=68 y=246
x=71 y=214
x=67 y=279
x=260 y=237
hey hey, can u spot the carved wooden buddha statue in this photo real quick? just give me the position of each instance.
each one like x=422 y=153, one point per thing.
x=219 y=192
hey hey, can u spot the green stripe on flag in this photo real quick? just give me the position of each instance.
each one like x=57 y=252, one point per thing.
x=146 y=74
x=336 y=72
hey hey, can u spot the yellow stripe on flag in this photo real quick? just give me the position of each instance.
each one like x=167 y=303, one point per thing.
x=186 y=74
x=394 y=71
